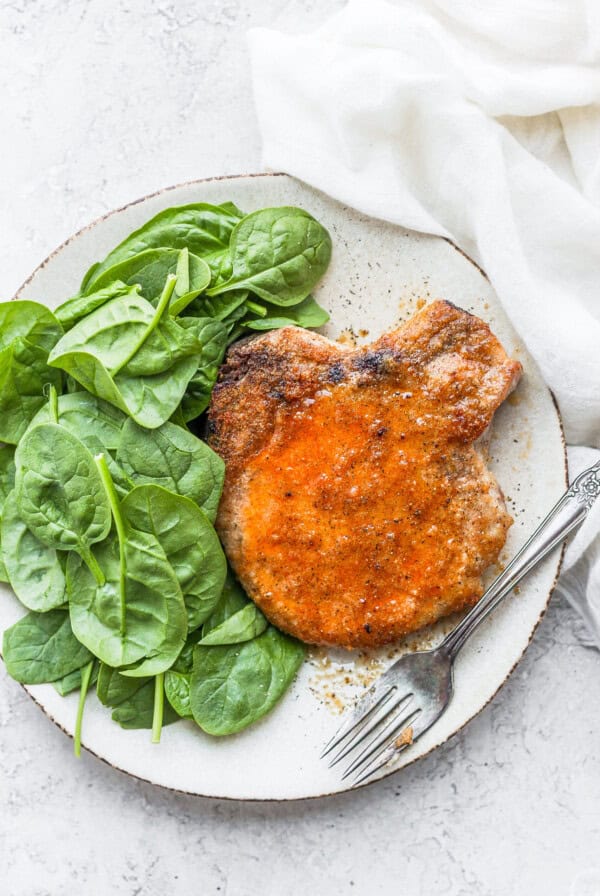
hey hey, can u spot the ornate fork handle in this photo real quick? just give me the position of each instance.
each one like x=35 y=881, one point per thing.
x=565 y=516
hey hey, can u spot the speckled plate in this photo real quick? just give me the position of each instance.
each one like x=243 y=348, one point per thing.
x=378 y=275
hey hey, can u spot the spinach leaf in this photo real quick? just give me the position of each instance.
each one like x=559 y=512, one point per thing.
x=279 y=254
x=72 y=682
x=174 y=458
x=148 y=270
x=137 y=711
x=41 y=647
x=79 y=306
x=213 y=336
x=33 y=568
x=59 y=493
x=202 y=228
x=24 y=375
x=218 y=307
x=233 y=599
x=113 y=688
x=131 y=355
x=307 y=313
x=189 y=541
x=244 y=625
x=7 y=472
x=138 y=615
x=92 y=420
x=177 y=689
x=30 y=321
x=232 y=687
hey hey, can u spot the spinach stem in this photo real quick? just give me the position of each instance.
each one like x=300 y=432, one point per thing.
x=159 y=703
x=162 y=306
x=258 y=309
x=53 y=399
x=92 y=564
x=86 y=675
x=121 y=533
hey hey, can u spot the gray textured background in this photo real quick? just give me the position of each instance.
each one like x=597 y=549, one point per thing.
x=103 y=101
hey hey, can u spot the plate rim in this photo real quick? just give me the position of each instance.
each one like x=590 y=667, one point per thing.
x=268 y=174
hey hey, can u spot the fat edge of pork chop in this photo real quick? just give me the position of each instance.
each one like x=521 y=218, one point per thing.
x=357 y=506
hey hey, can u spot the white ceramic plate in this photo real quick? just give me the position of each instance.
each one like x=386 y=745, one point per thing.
x=378 y=275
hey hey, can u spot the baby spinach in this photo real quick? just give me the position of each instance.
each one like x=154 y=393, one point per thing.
x=92 y=420
x=234 y=686
x=202 y=228
x=177 y=689
x=132 y=355
x=137 y=711
x=79 y=306
x=233 y=599
x=59 y=493
x=41 y=647
x=30 y=321
x=189 y=541
x=137 y=616
x=213 y=336
x=279 y=254
x=72 y=682
x=7 y=472
x=307 y=313
x=113 y=688
x=33 y=568
x=174 y=458
x=127 y=537
x=148 y=271
x=244 y=625
x=24 y=375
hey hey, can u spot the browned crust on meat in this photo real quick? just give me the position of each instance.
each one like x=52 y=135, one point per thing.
x=291 y=406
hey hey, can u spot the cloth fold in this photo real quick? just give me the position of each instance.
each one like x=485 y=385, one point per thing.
x=480 y=122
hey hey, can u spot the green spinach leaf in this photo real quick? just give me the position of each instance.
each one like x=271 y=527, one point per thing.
x=177 y=689
x=279 y=254
x=92 y=420
x=138 y=615
x=59 y=493
x=174 y=458
x=33 y=568
x=148 y=270
x=72 y=682
x=113 y=688
x=7 y=472
x=232 y=687
x=129 y=354
x=244 y=625
x=137 y=711
x=78 y=307
x=233 y=599
x=213 y=336
x=189 y=541
x=203 y=229
x=307 y=313
x=24 y=376
x=30 y=321
x=41 y=647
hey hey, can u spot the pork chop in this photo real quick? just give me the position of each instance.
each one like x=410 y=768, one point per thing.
x=357 y=505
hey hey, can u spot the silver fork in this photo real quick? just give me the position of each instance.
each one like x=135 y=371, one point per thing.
x=413 y=693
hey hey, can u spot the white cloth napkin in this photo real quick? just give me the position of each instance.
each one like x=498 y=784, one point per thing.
x=477 y=121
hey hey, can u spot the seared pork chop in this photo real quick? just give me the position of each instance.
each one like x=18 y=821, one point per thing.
x=357 y=505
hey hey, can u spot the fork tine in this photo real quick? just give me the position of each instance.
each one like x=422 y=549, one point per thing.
x=379 y=744
x=371 y=769
x=419 y=726
x=356 y=720
x=369 y=728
